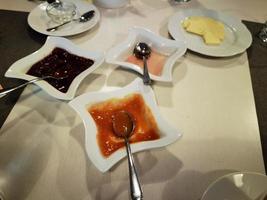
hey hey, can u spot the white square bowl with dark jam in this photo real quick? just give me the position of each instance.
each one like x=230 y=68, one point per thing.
x=59 y=58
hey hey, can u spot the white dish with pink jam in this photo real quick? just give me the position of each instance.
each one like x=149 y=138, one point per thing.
x=165 y=53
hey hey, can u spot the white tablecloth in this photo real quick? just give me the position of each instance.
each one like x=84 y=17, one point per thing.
x=42 y=151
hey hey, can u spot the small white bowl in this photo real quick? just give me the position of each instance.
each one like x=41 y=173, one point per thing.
x=80 y=104
x=111 y=3
x=238 y=186
x=20 y=67
x=173 y=49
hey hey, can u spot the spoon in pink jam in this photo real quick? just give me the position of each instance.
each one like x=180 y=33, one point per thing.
x=123 y=126
x=143 y=51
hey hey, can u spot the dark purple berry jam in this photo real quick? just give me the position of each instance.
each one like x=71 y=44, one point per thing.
x=60 y=63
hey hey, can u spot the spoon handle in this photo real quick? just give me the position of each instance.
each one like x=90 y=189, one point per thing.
x=146 y=77
x=5 y=91
x=56 y=27
x=135 y=187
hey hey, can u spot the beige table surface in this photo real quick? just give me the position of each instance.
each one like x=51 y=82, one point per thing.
x=42 y=150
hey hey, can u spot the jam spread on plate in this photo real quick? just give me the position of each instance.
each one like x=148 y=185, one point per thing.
x=145 y=124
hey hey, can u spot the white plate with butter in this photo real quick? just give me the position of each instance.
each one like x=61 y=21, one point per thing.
x=237 y=37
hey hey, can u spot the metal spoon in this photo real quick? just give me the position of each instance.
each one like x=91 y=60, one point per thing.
x=52 y=1
x=143 y=51
x=5 y=91
x=123 y=127
x=263 y=34
x=83 y=18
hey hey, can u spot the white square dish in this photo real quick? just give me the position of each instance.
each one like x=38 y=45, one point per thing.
x=20 y=67
x=172 y=49
x=168 y=134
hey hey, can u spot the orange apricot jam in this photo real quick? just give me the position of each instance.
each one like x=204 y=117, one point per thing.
x=145 y=124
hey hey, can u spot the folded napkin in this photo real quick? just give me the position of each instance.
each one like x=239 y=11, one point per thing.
x=257 y=57
x=17 y=40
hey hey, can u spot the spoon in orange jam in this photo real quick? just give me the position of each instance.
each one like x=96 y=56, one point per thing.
x=123 y=126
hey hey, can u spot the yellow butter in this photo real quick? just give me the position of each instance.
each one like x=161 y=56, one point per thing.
x=211 y=30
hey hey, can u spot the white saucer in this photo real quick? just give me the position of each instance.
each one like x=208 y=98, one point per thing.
x=39 y=21
x=237 y=36
x=238 y=186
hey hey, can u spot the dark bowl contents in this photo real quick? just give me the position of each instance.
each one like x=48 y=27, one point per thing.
x=145 y=124
x=60 y=63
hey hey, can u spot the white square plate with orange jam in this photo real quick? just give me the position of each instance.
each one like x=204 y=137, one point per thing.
x=96 y=108
x=45 y=58
x=165 y=53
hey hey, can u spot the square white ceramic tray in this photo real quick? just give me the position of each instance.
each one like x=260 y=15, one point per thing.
x=168 y=134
